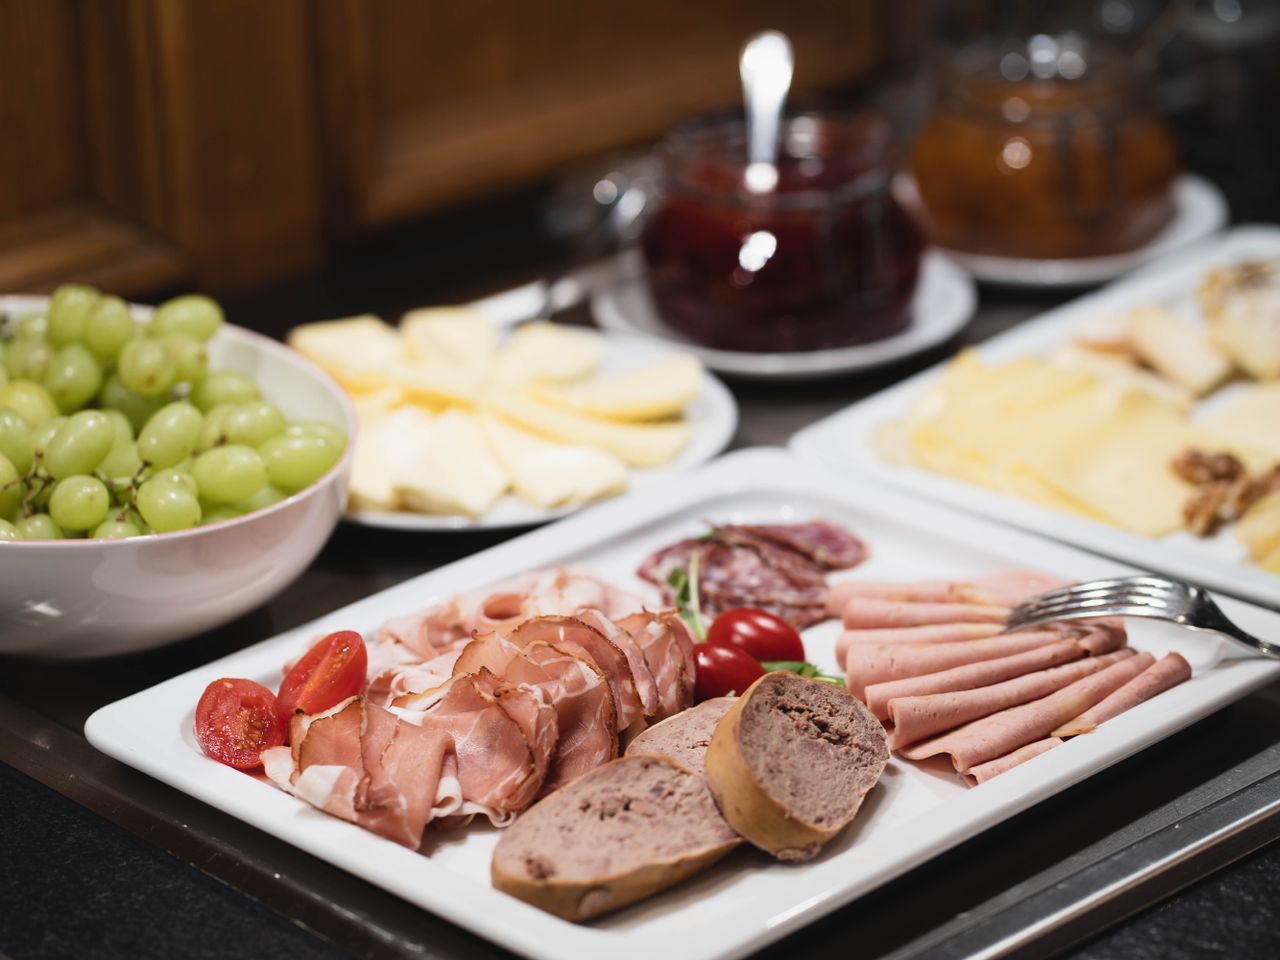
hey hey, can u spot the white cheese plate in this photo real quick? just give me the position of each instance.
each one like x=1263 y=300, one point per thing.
x=844 y=440
x=712 y=416
x=747 y=900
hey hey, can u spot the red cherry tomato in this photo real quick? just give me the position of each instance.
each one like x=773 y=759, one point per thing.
x=236 y=720
x=327 y=674
x=723 y=670
x=758 y=633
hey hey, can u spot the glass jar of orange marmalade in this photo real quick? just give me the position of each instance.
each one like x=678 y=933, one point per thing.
x=1048 y=148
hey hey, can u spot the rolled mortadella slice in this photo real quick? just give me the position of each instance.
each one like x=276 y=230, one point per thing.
x=1003 y=589
x=915 y=718
x=928 y=633
x=870 y=612
x=971 y=675
x=1169 y=671
x=868 y=663
x=1001 y=733
x=1102 y=635
x=985 y=771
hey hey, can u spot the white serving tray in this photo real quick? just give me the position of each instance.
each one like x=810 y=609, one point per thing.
x=747 y=900
x=843 y=440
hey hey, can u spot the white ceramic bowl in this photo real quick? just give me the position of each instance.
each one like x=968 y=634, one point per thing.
x=71 y=599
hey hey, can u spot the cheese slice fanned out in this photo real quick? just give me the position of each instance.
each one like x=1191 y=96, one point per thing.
x=639 y=444
x=356 y=352
x=386 y=450
x=436 y=383
x=451 y=469
x=550 y=474
x=547 y=351
x=461 y=336
x=1182 y=352
x=651 y=392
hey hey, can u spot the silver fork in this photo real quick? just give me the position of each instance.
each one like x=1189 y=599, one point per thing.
x=1158 y=598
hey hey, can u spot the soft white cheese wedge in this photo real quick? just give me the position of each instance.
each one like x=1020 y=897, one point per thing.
x=385 y=451
x=451 y=470
x=1182 y=352
x=549 y=474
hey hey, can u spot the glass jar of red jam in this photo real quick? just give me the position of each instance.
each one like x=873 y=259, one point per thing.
x=824 y=257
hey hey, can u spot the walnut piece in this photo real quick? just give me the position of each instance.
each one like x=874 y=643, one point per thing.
x=1200 y=467
x=1203 y=509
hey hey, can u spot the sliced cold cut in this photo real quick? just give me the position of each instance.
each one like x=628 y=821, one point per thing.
x=1169 y=671
x=1004 y=589
x=791 y=762
x=685 y=737
x=993 y=768
x=619 y=833
x=927 y=633
x=872 y=612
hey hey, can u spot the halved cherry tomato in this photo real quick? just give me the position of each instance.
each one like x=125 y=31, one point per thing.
x=758 y=633
x=723 y=670
x=236 y=720
x=327 y=674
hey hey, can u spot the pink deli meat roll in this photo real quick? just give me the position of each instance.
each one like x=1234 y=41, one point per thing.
x=868 y=663
x=1003 y=732
x=915 y=718
x=928 y=633
x=1170 y=671
x=869 y=612
x=1004 y=589
x=992 y=768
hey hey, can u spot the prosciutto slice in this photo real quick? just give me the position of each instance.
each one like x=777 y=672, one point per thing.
x=870 y=663
x=1169 y=671
x=992 y=768
x=1003 y=732
x=915 y=718
x=641 y=675
x=668 y=650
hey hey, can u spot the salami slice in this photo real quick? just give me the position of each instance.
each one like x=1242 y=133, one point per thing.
x=826 y=544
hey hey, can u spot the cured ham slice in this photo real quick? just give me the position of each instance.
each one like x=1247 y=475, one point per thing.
x=927 y=633
x=970 y=675
x=668 y=650
x=1169 y=671
x=1005 y=589
x=915 y=718
x=405 y=642
x=869 y=663
x=985 y=771
x=1002 y=733
x=641 y=675
x=576 y=636
x=870 y=612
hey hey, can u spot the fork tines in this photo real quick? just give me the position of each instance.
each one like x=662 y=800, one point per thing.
x=1120 y=596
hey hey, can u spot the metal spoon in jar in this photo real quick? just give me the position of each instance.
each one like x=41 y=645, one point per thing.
x=766 y=65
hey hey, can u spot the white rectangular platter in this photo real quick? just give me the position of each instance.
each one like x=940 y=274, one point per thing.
x=843 y=440
x=747 y=900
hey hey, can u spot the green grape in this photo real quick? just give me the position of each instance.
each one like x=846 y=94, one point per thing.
x=108 y=328
x=189 y=358
x=211 y=434
x=79 y=503
x=317 y=428
x=252 y=423
x=68 y=312
x=73 y=377
x=8 y=531
x=230 y=473
x=223 y=386
x=41 y=435
x=119 y=397
x=122 y=426
x=218 y=513
x=39 y=526
x=170 y=435
x=32 y=325
x=79 y=445
x=112 y=529
x=15 y=440
x=192 y=315
x=28 y=400
x=182 y=479
x=4 y=374
x=11 y=488
x=225 y=511
x=122 y=463
x=166 y=506
x=295 y=462
x=145 y=368
x=27 y=358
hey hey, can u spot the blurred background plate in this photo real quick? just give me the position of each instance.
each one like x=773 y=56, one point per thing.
x=1200 y=210
x=713 y=417
x=943 y=304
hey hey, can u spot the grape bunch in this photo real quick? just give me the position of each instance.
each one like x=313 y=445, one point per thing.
x=111 y=427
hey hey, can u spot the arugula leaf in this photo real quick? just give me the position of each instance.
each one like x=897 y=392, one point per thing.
x=689 y=605
x=802 y=668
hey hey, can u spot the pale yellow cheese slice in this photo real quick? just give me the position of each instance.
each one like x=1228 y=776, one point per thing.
x=1249 y=422
x=356 y=352
x=385 y=449
x=651 y=392
x=1259 y=529
x=549 y=474
x=547 y=351
x=1182 y=352
x=639 y=444
x=460 y=336
x=452 y=470
x=435 y=383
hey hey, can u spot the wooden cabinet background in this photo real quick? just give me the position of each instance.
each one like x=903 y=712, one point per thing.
x=221 y=145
